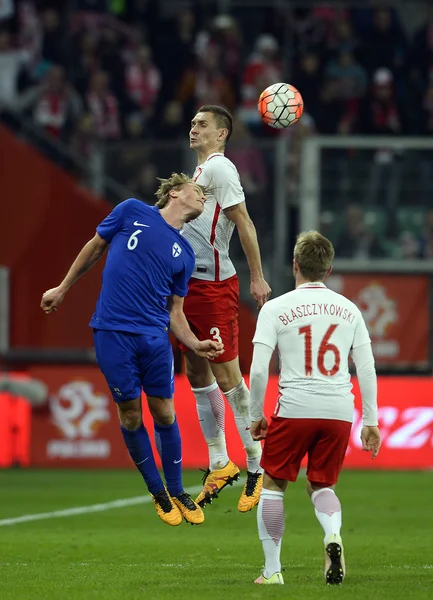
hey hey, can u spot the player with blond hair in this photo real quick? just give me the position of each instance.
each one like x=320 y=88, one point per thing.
x=315 y=331
x=212 y=305
x=145 y=279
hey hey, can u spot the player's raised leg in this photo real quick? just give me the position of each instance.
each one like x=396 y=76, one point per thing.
x=270 y=522
x=211 y=414
x=169 y=445
x=116 y=353
x=138 y=443
x=230 y=379
x=210 y=408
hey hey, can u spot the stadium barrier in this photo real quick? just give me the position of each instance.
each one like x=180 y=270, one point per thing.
x=78 y=427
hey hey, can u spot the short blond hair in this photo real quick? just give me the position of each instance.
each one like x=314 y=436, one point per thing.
x=314 y=254
x=175 y=182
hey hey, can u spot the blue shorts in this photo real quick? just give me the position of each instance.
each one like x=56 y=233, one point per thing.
x=132 y=362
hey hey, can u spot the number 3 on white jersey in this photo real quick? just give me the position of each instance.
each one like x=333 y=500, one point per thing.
x=133 y=240
x=215 y=333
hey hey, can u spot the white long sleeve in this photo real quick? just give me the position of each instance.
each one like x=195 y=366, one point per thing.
x=259 y=376
x=366 y=372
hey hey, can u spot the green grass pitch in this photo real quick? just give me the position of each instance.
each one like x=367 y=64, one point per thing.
x=127 y=553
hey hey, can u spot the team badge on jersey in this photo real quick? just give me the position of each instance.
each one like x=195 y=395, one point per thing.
x=176 y=250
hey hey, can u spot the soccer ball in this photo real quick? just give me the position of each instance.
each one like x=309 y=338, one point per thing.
x=280 y=105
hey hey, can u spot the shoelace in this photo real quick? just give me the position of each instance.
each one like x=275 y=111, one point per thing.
x=187 y=501
x=164 y=501
x=252 y=479
x=205 y=476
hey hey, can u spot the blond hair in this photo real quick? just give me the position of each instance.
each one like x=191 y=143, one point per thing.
x=314 y=254
x=175 y=182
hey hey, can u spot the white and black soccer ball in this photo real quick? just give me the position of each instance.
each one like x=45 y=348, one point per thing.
x=280 y=105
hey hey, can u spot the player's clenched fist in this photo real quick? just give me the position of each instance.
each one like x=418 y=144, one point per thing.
x=370 y=438
x=51 y=299
x=260 y=291
x=259 y=429
x=209 y=349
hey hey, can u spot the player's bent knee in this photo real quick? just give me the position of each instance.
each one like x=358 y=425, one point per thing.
x=130 y=418
x=315 y=486
x=162 y=410
x=199 y=374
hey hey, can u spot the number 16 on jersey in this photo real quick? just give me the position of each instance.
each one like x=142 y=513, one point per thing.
x=324 y=347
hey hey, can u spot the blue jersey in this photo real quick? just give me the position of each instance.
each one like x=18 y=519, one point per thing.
x=148 y=261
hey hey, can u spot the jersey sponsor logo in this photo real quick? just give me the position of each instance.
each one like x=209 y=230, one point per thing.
x=176 y=250
x=137 y=224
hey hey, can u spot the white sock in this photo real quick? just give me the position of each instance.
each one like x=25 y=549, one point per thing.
x=239 y=400
x=211 y=414
x=270 y=522
x=327 y=507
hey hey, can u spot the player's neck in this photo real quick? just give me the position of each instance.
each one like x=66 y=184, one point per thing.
x=301 y=281
x=203 y=155
x=173 y=215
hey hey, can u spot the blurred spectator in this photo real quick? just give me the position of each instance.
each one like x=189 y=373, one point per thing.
x=135 y=126
x=111 y=59
x=171 y=125
x=12 y=61
x=7 y=10
x=384 y=44
x=227 y=37
x=344 y=38
x=350 y=78
x=355 y=240
x=84 y=138
x=422 y=50
x=308 y=78
x=381 y=112
x=143 y=183
x=53 y=37
x=30 y=31
x=54 y=104
x=425 y=114
x=206 y=84
x=104 y=107
x=248 y=159
x=328 y=114
x=408 y=246
x=263 y=68
x=426 y=242
x=83 y=60
x=143 y=81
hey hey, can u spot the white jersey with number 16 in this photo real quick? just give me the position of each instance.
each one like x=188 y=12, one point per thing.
x=315 y=330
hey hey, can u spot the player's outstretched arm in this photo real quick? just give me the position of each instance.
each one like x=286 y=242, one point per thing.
x=259 y=288
x=89 y=255
x=366 y=372
x=180 y=328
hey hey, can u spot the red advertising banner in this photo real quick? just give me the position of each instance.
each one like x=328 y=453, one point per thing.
x=79 y=427
x=396 y=310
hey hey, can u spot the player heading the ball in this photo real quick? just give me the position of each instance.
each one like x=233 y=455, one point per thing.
x=148 y=261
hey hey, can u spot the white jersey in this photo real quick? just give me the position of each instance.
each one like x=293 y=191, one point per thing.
x=210 y=233
x=314 y=329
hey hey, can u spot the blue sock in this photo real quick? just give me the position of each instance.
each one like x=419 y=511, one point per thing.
x=169 y=445
x=138 y=443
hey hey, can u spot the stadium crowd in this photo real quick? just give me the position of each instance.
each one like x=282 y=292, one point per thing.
x=104 y=71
